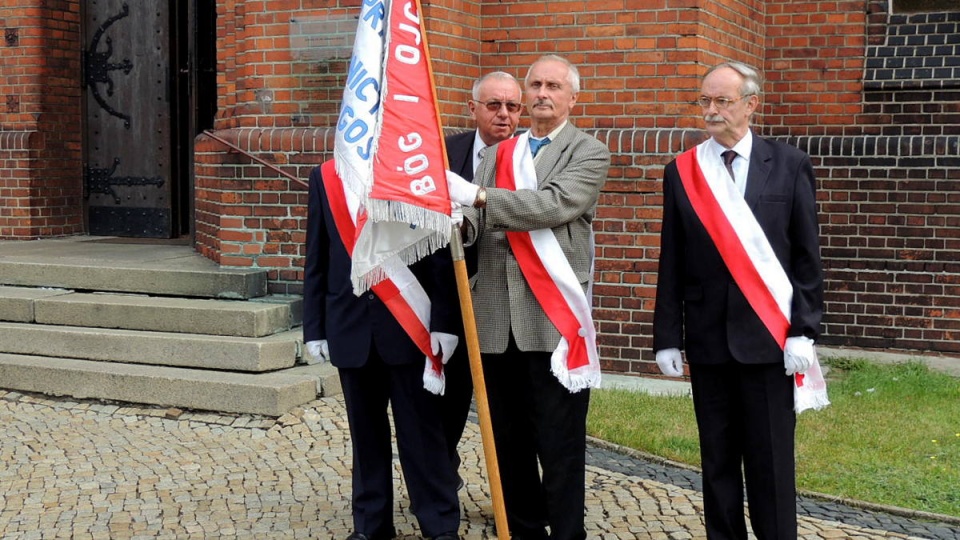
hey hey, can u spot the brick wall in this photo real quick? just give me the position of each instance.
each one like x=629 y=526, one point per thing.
x=246 y=214
x=912 y=76
x=890 y=215
x=16 y=163
x=640 y=62
x=889 y=193
x=813 y=67
x=40 y=178
x=886 y=157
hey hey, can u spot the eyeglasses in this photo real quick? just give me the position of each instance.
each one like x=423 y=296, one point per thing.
x=720 y=102
x=494 y=105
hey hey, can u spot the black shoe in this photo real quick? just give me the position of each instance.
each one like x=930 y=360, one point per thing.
x=384 y=536
x=460 y=483
x=447 y=536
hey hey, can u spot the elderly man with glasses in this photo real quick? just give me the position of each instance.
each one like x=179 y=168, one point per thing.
x=740 y=289
x=495 y=108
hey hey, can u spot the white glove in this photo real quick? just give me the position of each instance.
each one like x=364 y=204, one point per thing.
x=446 y=343
x=670 y=362
x=318 y=352
x=456 y=213
x=798 y=354
x=461 y=191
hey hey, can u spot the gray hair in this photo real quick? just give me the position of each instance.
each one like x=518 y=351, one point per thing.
x=499 y=75
x=751 y=85
x=573 y=75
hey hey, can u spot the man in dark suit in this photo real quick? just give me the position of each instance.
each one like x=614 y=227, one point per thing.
x=495 y=107
x=379 y=365
x=745 y=333
x=541 y=187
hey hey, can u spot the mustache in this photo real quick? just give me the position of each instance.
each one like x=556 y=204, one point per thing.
x=542 y=102
x=713 y=118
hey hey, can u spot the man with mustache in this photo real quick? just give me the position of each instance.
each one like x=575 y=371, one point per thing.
x=529 y=215
x=740 y=288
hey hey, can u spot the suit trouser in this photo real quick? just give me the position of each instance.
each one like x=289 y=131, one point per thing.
x=745 y=418
x=456 y=400
x=535 y=417
x=421 y=444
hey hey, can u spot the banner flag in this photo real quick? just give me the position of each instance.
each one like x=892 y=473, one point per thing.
x=389 y=145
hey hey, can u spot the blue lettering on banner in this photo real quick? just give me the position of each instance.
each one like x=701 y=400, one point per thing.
x=361 y=87
x=375 y=15
x=358 y=80
x=353 y=128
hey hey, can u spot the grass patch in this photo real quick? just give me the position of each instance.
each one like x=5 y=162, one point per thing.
x=661 y=425
x=891 y=435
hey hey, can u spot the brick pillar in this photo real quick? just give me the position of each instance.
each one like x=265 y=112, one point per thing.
x=40 y=148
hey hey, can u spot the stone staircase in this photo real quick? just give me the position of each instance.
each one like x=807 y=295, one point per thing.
x=94 y=317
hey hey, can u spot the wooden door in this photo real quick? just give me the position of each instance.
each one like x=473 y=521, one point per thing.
x=129 y=138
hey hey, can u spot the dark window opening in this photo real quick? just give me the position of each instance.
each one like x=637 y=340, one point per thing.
x=206 y=64
x=924 y=6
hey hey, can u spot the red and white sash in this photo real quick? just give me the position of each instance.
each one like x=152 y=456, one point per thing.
x=748 y=255
x=575 y=362
x=400 y=292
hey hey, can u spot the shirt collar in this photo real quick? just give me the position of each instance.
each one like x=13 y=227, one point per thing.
x=553 y=134
x=743 y=148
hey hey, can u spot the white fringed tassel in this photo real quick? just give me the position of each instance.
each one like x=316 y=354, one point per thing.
x=810 y=389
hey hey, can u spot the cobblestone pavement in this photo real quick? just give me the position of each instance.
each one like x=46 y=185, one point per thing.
x=86 y=469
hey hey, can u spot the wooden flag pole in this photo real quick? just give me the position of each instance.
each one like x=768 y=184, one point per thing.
x=479 y=386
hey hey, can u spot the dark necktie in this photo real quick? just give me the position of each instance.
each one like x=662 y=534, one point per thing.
x=536 y=144
x=728 y=157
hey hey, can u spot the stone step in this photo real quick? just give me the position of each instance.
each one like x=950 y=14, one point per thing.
x=225 y=353
x=153 y=323
x=16 y=303
x=269 y=394
x=97 y=264
x=162 y=314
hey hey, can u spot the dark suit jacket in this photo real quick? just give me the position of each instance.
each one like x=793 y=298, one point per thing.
x=351 y=324
x=460 y=153
x=698 y=304
x=460 y=161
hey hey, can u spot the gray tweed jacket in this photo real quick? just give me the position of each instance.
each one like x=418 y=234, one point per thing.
x=571 y=170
